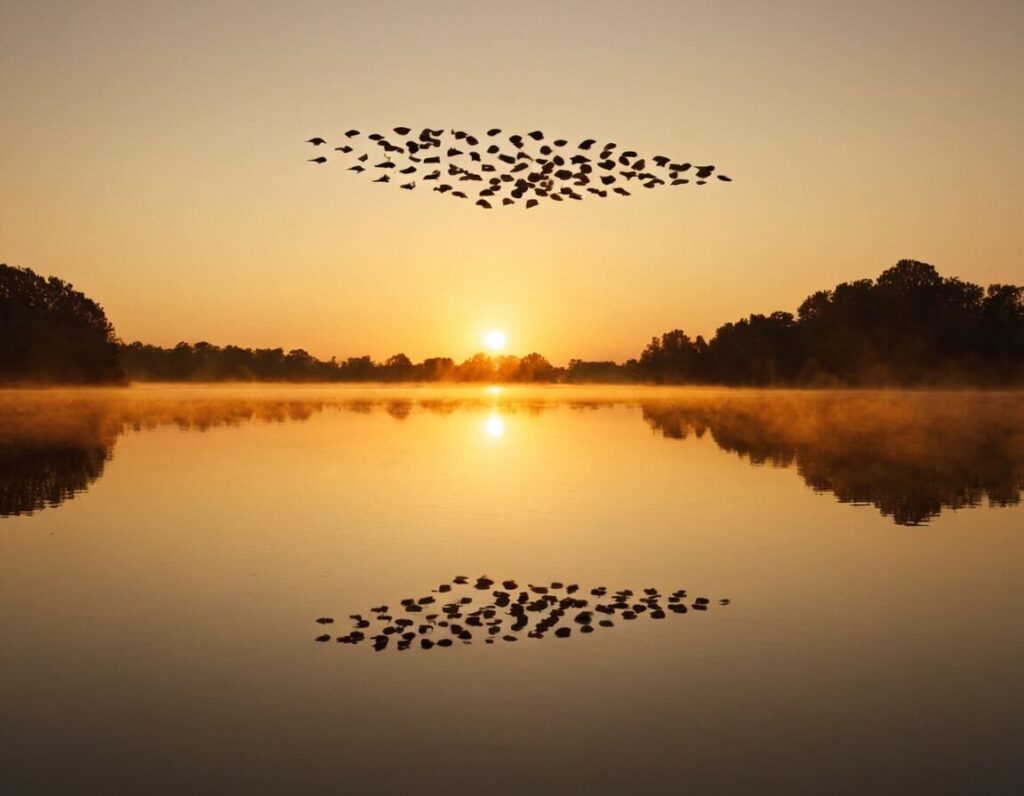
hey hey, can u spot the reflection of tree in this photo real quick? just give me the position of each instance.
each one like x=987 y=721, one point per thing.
x=909 y=456
x=47 y=475
x=54 y=445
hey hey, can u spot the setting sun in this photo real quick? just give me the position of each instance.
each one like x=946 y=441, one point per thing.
x=495 y=339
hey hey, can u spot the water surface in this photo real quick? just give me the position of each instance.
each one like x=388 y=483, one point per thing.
x=165 y=550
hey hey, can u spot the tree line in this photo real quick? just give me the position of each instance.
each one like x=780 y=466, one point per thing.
x=911 y=326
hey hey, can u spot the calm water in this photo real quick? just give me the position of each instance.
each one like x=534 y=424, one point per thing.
x=165 y=551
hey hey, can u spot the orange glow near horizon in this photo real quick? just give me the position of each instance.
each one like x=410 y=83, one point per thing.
x=150 y=166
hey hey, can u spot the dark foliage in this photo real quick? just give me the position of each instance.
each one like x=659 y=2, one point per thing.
x=206 y=362
x=49 y=332
x=911 y=326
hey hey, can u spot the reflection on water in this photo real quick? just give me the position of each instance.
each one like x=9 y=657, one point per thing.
x=158 y=628
x=909 y=454
x=459 y=612
x=495 y=425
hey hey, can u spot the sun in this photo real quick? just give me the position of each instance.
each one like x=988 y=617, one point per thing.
x=495 y=339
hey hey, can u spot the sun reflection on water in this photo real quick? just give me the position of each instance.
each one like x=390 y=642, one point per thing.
x=494 y=426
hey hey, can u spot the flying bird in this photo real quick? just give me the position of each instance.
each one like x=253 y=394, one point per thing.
x=535 y=170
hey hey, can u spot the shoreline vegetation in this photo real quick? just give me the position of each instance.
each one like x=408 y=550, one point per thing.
x=910 y=327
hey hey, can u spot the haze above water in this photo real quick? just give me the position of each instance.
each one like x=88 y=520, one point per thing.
x=165 y=550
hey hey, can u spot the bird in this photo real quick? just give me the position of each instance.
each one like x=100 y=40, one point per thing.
x=534 y=167
x=383 y=178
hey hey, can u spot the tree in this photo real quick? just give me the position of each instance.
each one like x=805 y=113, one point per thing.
x=50 y=332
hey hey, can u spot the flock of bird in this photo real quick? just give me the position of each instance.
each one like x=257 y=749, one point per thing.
x=444 y=618
x=498 y=171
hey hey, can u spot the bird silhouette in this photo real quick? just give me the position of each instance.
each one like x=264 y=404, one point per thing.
x=535 y=169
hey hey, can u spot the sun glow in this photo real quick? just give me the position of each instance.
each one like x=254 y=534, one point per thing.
x=495 y=339
x=495 y=426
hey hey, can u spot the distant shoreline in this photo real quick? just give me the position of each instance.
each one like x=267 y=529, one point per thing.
x=910 y=327
x=499 y=387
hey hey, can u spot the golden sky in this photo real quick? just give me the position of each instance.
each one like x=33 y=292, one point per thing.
x=153 y=155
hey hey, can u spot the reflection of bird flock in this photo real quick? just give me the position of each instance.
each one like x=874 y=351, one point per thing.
x=496 y=173
x=441 y=618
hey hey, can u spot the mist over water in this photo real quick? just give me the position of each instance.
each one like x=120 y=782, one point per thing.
x=165 y=552
x=910 y=454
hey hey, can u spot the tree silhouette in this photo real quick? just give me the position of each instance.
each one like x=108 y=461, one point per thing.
x=910 y=327
x=50 y=332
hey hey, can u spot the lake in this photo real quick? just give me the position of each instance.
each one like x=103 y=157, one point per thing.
x=166 y=550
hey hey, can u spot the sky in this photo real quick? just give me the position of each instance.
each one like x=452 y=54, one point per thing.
x=153 y=155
